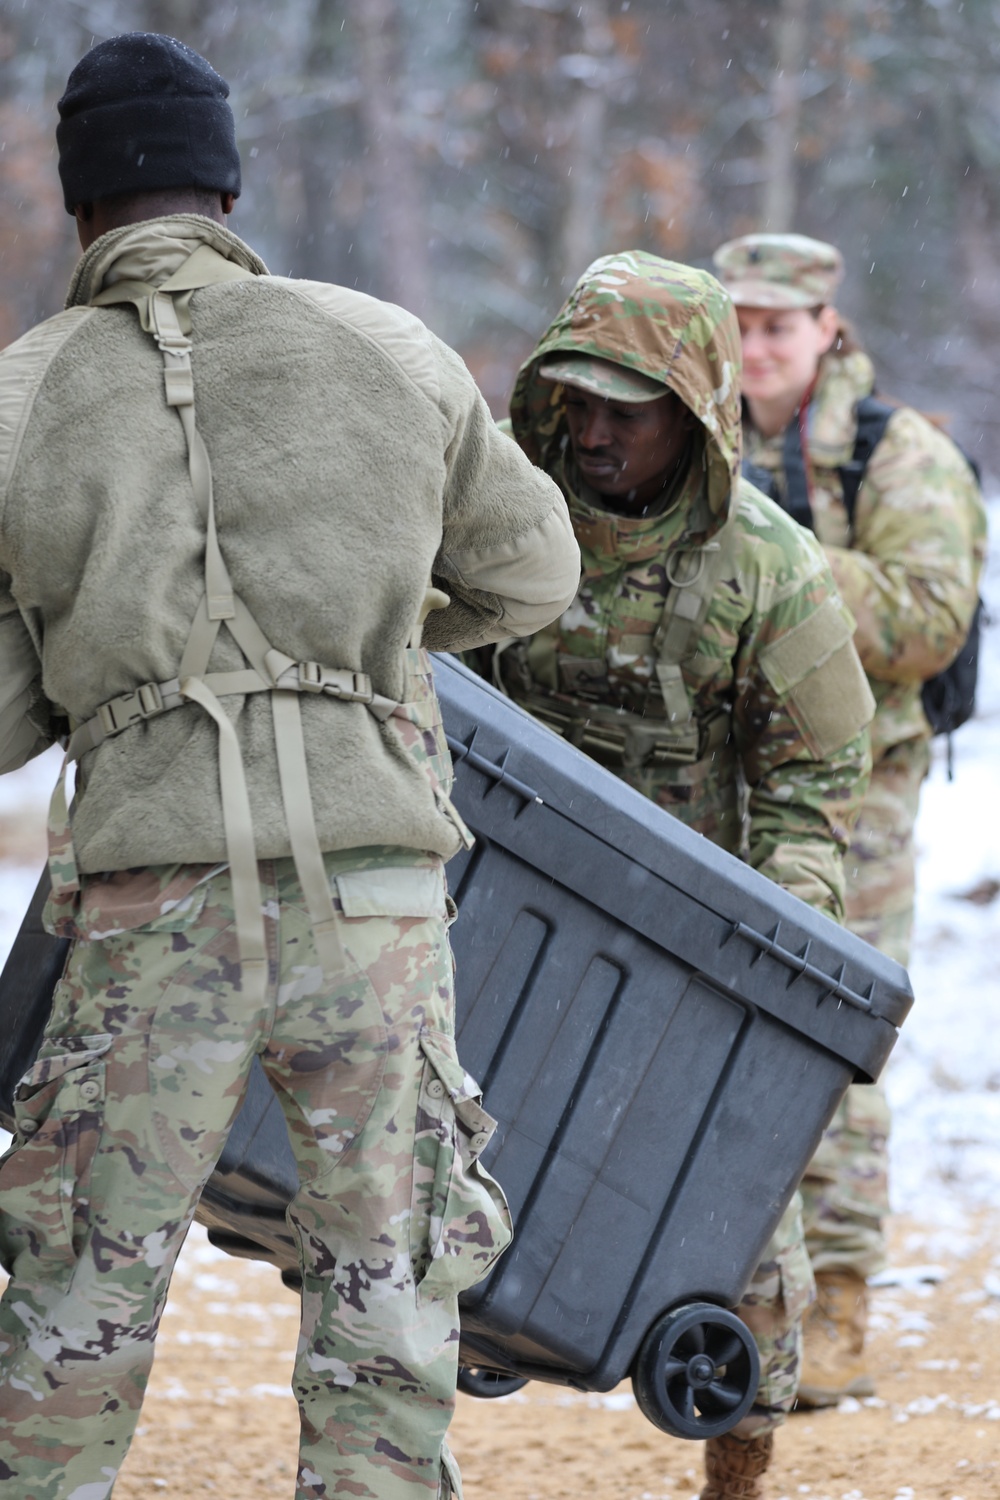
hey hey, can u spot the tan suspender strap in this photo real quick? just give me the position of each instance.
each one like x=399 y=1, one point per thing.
x=252 y=641
x=293 y=774
x=179 y=382
x=269 y=670
x=238 y=824
x=201 y=639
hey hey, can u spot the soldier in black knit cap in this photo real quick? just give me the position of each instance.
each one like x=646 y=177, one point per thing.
x=233 y=510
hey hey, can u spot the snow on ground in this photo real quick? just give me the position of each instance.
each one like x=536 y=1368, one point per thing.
x=943 y=1077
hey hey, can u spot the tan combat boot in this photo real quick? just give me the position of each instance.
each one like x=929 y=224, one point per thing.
x=734 y=1466
x=833 y=1362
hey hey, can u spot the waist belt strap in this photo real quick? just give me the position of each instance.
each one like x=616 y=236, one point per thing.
x=163 y=313
x=624 y=736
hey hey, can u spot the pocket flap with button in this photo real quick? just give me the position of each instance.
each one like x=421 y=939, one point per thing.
x=74 y=1052
x=449 y=1077
x=460 y=1222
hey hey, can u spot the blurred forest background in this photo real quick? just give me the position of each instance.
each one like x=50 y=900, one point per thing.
x=468 y=158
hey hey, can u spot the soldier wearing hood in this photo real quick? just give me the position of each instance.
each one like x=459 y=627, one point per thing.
x=707 y=658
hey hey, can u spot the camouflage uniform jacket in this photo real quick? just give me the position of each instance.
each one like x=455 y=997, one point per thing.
x=910 y=567
x=774 y=685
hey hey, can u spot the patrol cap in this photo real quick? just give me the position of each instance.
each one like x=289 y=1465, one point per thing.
x=603 y=377
x=779 y=270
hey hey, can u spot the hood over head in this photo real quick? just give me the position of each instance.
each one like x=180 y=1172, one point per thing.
x=667 y=322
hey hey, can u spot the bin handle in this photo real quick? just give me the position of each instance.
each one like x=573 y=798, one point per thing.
x=832 y=984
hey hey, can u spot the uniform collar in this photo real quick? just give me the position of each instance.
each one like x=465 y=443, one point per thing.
x=152 y=251
x=631 y=538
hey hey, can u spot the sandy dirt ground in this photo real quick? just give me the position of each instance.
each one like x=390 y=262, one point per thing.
x=219 y=1420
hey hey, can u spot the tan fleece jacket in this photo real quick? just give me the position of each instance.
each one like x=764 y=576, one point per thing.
x=353 y=459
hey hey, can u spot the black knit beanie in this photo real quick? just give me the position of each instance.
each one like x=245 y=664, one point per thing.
x=143 y=112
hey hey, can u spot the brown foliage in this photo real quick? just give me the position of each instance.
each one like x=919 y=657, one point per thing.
x=31 y=216
x=653 y=197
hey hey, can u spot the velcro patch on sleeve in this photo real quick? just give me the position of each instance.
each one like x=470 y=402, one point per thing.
x=786 y=662
x=833 y=702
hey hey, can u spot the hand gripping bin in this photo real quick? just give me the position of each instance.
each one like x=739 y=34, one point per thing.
x=662 y=1034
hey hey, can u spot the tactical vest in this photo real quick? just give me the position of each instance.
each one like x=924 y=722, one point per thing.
x=164 y=315
x=667 y=730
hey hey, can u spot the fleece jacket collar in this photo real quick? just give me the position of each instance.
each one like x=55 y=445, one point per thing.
x=151 y=251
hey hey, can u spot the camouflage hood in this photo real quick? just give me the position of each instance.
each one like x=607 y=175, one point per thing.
x=670 y=322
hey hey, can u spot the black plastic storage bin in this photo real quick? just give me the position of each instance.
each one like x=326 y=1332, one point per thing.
x=663 y=1035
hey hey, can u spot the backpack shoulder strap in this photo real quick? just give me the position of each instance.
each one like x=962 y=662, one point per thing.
x=796 y=498
x=872 y=419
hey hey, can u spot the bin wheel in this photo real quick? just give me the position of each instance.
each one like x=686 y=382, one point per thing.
x=475 y=1381
x=696 y=1372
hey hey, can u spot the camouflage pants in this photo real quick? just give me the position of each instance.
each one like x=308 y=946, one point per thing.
x=772 y=1308
x=123 y=1116
x=845 y=1191
x=880 y=866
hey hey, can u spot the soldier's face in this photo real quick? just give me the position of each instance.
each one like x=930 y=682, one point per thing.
x=627 y=450
x=782 y=349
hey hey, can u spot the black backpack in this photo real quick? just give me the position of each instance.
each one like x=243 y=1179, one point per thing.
x=949 y=698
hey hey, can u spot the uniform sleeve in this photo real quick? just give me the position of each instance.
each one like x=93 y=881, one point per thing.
x=801 y=812
x=508 y=560
x=800 y=721
x=26 y=727
x=911 y=577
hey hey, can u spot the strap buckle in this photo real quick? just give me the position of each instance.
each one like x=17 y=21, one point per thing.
x=118 y=713
x=336 y=682
x=310 y=676
x=166 y=326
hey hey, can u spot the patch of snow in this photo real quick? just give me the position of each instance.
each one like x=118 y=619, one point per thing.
x=943 y=1078
x=908 y=1276
x=618 y=1401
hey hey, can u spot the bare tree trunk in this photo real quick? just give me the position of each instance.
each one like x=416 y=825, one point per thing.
x=779 y=202
x=390 y=168
x=327 y=144
x=580 y=237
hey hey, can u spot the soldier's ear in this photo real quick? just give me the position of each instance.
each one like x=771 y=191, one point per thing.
x=827 y=322
x=84 y=214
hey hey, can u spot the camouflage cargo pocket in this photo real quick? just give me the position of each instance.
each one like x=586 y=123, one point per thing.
x=160 y=898
x=460 y=1222
x=45 y=1177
